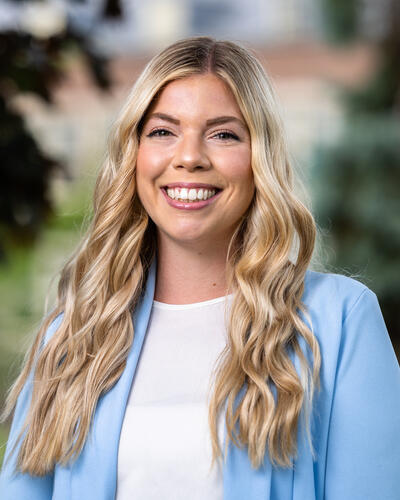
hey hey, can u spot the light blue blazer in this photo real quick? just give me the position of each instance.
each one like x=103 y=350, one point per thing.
x=355 y=421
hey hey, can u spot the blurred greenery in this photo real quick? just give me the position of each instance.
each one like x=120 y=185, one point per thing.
x=357 y=180
x=25 y=279
x=341 y=19
x=356 y=192
x=33 y=64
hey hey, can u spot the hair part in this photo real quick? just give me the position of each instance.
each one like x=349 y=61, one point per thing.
x=255 y=380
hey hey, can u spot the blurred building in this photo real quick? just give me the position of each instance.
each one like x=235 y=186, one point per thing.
x=287 y=35
x=155 y=23
x=151 y=24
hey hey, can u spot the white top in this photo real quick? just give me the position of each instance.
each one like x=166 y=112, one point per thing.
x=165 y=450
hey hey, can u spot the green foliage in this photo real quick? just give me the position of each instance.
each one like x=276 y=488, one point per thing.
x=25 y=172
x=25 y=277
x=380 y=93
x=340 y=18
x=357 y=181
x=32 y=64
x=356 y=186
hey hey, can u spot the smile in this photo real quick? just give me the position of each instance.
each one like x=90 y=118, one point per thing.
x=190 y=199
x=193 y=194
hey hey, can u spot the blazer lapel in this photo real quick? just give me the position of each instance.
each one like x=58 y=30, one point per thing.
x=94 y=474
x=240 y=479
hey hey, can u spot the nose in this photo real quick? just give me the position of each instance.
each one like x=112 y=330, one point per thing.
x=190 y=154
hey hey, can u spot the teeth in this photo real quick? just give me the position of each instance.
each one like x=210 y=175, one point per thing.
x=184 y=194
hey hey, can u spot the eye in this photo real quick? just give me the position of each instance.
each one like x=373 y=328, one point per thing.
x=159 y=132
x=226 y=135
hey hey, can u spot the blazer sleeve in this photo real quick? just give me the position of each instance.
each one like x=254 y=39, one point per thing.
x=363 y=453
x=13 y=484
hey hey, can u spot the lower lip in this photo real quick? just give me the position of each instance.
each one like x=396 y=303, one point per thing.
x=193 y=205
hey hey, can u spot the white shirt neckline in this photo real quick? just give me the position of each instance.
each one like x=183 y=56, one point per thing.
x=179 y=307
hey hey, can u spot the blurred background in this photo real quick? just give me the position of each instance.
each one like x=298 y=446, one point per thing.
x=67 y=66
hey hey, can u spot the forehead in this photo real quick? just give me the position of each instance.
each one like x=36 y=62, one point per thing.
x=198 y=93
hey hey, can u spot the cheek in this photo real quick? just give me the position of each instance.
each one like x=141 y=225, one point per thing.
x=144 y=174
x=149 y=163
x=242 y=175
x=237 y=169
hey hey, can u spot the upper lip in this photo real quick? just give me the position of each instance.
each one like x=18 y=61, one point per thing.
x=190 y=185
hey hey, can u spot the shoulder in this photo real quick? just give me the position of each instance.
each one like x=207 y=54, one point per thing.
x=329 y=292
x=346 y=319
x=338 y=306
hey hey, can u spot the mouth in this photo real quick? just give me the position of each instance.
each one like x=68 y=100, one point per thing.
x=190 y=192
x=192 y=197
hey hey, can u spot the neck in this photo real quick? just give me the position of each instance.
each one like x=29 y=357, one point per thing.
x=189 y=274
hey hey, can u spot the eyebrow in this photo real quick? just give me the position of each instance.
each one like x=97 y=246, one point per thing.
x=219 y=120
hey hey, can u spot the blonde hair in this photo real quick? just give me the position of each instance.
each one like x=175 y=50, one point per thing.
x=101 y=284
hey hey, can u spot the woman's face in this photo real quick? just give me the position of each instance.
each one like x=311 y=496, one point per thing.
x=193 y=172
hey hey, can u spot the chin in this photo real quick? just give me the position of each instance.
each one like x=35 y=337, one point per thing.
x=191 y=237
x=187 y=236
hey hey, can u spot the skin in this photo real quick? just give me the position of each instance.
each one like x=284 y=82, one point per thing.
x=181 y=147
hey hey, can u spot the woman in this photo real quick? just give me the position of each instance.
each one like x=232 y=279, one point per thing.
x=199 y=243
